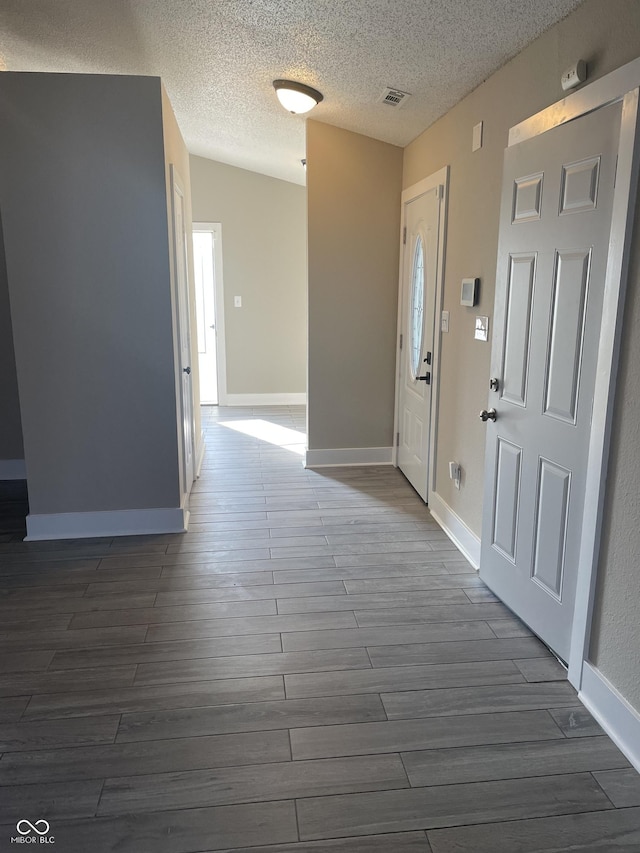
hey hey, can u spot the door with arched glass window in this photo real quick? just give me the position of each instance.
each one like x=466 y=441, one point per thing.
x=422 y=221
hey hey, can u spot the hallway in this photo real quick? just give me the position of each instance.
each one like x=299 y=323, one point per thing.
x=313 y=660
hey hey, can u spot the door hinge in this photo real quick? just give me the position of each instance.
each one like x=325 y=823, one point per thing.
x=404 y=236
x=440 y=191
x=397 y=439
x=615 y=174
x=400 y=341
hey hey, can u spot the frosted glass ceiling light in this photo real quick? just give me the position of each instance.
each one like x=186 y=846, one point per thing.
x=296 y=97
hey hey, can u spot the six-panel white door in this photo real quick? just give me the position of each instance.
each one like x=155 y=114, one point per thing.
x=419 y=269
x=552 y=256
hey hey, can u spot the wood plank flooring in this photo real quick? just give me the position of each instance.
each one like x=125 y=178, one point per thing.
x=312 y=668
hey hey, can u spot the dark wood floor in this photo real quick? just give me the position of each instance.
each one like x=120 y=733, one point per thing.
x=313 y=667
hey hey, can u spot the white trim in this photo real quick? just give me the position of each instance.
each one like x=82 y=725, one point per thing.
x=616 y=716
x=127 y=522
x=622 y=84
x=299 y=399
x=215 y=228
x=182 y=304
x=348 y=456
x=462 y=536
x=439 y=178
x=13 y=469
x=598 y=94
x=605 y=385
x=200 y=450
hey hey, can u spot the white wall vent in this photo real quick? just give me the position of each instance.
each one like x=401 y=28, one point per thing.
x=394 y=97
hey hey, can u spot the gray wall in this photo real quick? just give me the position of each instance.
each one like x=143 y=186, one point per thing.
x=615 y=647
x=83 y=200
x=264 y=246
x=353 y=185
x=10 y=424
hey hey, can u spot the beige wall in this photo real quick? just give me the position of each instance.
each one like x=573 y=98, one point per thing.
x=176 y=154
x=616 y=631
x=264 y=246
x=607 y=35
x=354 y=187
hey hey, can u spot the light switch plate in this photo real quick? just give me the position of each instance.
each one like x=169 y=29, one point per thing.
x=477 y=137
x=237 y=301
x=444 y=322
x=481 y=332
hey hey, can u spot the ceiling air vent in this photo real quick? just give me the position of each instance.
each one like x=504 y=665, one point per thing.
x=394 y=97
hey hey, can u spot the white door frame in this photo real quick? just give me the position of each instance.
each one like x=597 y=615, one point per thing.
x=215 y=228
x=620 y=85
x=185 y=485
x=439 y=178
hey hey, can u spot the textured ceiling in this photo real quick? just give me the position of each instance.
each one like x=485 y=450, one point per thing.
x=217 y=59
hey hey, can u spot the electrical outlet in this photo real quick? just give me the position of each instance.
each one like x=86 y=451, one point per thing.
x=455 y=473
x=444 y=322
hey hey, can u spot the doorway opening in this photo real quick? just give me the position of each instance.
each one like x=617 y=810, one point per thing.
x=419 y=301
x=207 y=259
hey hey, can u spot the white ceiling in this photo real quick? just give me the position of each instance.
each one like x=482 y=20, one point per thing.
x=218 y=58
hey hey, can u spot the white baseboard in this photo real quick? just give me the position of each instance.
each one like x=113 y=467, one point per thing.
x=348 y=456
x=126 y=522
x=13 y=469
x=616 y=716
x=200 y=449
x=265 y=399
x=462 y=536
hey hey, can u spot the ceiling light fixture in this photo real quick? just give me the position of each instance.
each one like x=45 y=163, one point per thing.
x=296 y=97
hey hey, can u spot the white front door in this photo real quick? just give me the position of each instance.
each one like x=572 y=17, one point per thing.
x=552 y=258
x=184 y=338
x=204 y=269
x=421 y=244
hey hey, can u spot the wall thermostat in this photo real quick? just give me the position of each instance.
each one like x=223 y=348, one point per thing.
x=575 y=75
x=469 y=291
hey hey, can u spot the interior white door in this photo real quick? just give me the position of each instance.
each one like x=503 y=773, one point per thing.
x=204 y=269
x=184 y=337
x=552 y=257
x=421 y=216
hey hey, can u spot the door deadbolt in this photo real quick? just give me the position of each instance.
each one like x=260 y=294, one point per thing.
x=186 y=370
x=494 y=384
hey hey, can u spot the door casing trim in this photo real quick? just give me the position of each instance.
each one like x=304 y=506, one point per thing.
x=439 y=178
x=215 y=228
x=620 y=85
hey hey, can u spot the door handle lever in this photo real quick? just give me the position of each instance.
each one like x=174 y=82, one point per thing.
x=490 y=415
x=426 y=378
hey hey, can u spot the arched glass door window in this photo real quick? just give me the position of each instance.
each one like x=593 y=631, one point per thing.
x=417 y=307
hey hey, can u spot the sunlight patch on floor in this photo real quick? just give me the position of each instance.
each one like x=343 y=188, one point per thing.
x=288 y=439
